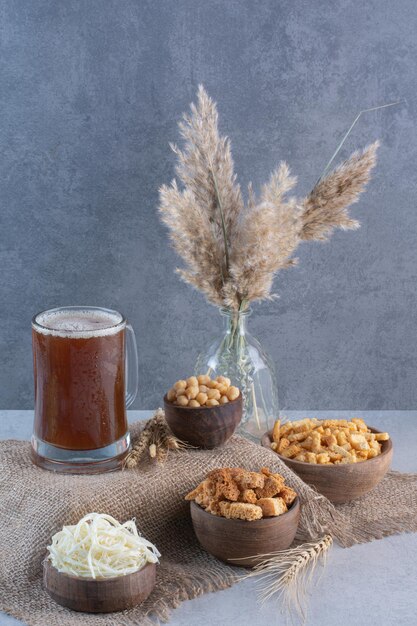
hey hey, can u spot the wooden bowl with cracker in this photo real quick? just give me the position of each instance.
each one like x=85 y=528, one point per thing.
x=243 y=543
x=341 y=483
x=204 y=427
x=104 y=595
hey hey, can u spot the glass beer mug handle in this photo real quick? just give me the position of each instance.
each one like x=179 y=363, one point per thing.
x=131 y=366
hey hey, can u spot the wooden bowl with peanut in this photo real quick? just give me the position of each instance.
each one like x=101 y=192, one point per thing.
x=342 y=459
x=203 y=412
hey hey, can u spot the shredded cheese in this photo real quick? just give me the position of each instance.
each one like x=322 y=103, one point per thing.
x=100 y=547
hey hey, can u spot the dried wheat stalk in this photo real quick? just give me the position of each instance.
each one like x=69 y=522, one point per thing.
x=288 y=574
x=155 y=440
x=232 y=252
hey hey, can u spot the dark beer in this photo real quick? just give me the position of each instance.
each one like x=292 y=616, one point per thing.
x=79 y=367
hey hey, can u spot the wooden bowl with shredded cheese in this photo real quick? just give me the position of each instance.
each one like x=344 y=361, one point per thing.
x=104 y=595
x=100 y=565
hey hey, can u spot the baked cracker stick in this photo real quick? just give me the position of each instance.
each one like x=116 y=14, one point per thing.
x=283 y=444
x=292 y=451
x=302 y=425
x=316 y=442
x=285 y=428
x=307 y=443
x=276 y=431
x=358 y=441
x=381 y=436
x=299 y=436
x=339 y=450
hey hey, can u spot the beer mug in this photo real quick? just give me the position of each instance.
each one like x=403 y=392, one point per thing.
x=86 y=374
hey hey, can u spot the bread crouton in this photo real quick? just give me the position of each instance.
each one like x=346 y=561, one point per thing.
x=197 y=491
x=213 y=506
x=225 y=492
x=240 y=510
x=203 y=500
x=221 y=484
x=248 y=495
x=271 y=507
x=288 y=495
x=246 y=479
x=273 y=485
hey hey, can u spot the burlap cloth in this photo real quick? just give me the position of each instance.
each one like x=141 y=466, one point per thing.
x=34 y=504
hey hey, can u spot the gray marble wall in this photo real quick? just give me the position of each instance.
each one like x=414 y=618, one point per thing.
x=90 y=95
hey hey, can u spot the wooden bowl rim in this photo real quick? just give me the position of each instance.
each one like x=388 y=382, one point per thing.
x=198 y=408
x=387 y=446
x=47 y=564
x=294 y=507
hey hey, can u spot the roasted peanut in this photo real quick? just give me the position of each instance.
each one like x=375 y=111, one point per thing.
x=213 y=394
x=203 y=391
x=233 y=393
x=182 y=401
x=191 y=392
x=171 y=395
x=202 y=398
x=224 y=380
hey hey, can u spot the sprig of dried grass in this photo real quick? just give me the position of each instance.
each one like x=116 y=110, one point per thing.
x=325 y=208
x=288 y=574
x=206 y=163
x=232 y=252
x=193 y=240
x=266 y=237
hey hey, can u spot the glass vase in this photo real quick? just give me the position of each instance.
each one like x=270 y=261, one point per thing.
x=240 y=357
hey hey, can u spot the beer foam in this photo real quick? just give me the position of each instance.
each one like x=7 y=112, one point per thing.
x=78 y=323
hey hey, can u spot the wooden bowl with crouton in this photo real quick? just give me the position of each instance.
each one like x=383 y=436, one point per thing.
x=205 y=426
x=241 y=542
x=341 y=483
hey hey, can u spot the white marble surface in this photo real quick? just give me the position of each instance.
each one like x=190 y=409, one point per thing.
x=372 y=583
